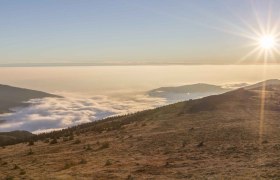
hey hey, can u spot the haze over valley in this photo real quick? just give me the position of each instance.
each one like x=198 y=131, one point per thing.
x=82 y=100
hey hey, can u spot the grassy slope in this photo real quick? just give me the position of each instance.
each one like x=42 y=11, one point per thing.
x=214 y=137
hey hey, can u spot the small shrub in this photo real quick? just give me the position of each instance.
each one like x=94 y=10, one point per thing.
x=87 y=147
x=71 y=137
x=68 y=165
x=22 y=172
x=83 y=161
x=200 y=144
x=46 y=141
x=30 y=143
x=276 y=146
x=9 y=177
x=140 y=138
x=77 y=141
x=184 y=143
x=15 y=167
x=104 y=145
x=129 y=177
x=167 y=164
x=108 y=163
x=53 y=141
x=30 y=152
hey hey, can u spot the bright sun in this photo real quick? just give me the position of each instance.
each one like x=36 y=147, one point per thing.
x=267 y=42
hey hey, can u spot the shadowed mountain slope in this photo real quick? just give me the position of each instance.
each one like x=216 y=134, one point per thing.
x=11 y=97
x=216 y=137
x=13 y=136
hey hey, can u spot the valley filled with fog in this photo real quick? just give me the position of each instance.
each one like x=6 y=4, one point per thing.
x=93 y=93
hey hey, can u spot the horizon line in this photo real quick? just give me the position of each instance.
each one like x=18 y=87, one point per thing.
x=122 y=64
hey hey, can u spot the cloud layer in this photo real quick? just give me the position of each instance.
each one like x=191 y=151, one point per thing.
x=55 y=113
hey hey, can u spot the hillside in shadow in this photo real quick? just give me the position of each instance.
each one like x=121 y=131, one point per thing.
x=11 y=97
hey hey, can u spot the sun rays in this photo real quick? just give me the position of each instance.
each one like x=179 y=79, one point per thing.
x=264 y=42
x=262 y=38
x=267 y=42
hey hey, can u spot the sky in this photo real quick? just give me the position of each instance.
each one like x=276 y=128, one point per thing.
x=73 y=32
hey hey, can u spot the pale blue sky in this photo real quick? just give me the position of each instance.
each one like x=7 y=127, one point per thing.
x=127 y=32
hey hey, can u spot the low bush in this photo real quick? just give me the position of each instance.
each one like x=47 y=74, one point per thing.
x=16 y=166
x=22 y=172
x=108 y=163
x=83 y=161
x=68 y=165
x=30 y=143
x=104 y=145
x=30 y=152
x=53 y=141
x=77 y=141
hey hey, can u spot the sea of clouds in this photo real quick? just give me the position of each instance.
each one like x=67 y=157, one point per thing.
x=50 y=114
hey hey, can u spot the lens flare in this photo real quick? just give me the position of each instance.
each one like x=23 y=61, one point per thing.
x=267 y=42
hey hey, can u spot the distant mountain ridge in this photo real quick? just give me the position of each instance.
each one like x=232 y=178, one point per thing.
x=192 y=88
x=11 y=97
x=192 y=91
